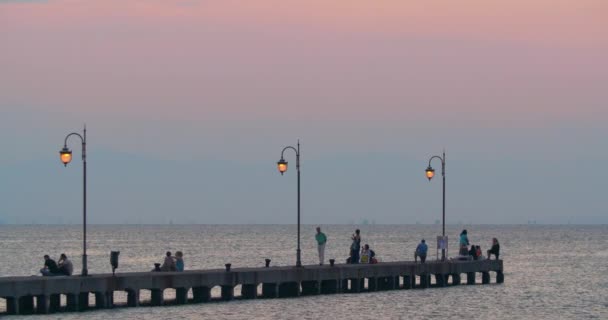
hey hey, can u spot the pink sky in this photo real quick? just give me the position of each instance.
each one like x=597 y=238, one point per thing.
x=356 y=60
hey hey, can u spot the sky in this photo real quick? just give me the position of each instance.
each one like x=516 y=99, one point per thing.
x=189 y=103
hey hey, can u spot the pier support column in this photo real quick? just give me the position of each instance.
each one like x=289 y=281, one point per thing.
x=227 y=293
x=289 y=289
x=329 y=286
x=201 y=294
x=72 y=300
x=26 y=305
x=424 y=281
x=485 y=277
x=500 y=277
x=386 y=283
x=104 y=300
x=249 y=291
x=470 y=277
x=407 y=282
x=83 y=301
x=355 y=285
x=270 y=290
x=12 y=305
x=440 y=280
x=181 y=295
x=157 y=297
x=311 y=287
x=372 y=284
x=455 y=279
x=55 y=302
x=133 y=298
x=43 y=304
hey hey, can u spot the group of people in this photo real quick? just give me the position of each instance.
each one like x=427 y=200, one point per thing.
x=63 y=267
x=360 y=254
x=172 y=263
x=364 y=254
x=357 y=254
x=475 y=250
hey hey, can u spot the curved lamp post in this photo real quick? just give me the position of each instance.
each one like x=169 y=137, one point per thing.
x=430 y=173
x=282 y=166
x=66 y=156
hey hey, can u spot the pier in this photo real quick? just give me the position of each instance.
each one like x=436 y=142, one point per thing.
x=43 y=295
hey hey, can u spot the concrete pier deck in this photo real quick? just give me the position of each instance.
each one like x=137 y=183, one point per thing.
x=28 y=295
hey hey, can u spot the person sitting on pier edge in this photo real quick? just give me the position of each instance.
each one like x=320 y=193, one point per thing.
x=355 y=246
x=179 y=261
x=367 y=255
x=478 y=253
x=50 y=267
x=464 y=242
x=421 y=251
x=473 y=252
x=169 y=263
x=65 y=265
x=495 y=250
x=372 y=255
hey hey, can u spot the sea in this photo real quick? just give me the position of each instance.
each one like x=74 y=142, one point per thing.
x=551 y=271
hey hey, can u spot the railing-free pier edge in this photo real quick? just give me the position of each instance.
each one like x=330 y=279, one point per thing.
x=28 y=295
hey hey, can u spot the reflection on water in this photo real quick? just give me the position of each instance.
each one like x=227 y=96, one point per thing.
x=550 y=271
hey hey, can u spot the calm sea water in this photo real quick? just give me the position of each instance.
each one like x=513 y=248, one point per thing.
x=551 y=272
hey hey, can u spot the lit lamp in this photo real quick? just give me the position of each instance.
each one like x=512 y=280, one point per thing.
x=65 y=155
x=282 y=166
x=430 y=173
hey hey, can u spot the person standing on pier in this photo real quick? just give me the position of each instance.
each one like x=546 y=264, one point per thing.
x=464 y=243
x=321 y=241
x=421 y=251
x=355 y=247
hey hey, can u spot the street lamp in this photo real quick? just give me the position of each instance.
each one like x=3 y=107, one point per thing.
x=66 y=157
x=282 y=166
x=430 y=173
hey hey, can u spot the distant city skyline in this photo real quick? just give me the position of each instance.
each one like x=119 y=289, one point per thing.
x=189 y=103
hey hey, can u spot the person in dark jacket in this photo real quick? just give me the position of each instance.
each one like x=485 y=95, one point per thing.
x=495 y=250
x=50 y=267
x=355 y=246
x=473 y=252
